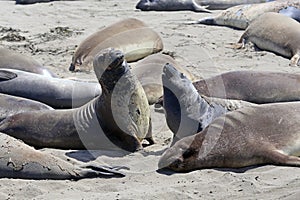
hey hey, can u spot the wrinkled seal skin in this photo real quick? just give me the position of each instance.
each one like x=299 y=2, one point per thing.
x=118 y=118
x=132 y=36
x=148 y=69
x=170 y=5
x=186 y=111
x=262 y=134
x=242 y=15
x=10 y=105
x=55 y=92
x=252 y=86
x=18 y=160
x=276 y=33
x=13 y=60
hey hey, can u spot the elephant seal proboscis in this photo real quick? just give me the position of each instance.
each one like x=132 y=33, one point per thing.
x=170 y=5
x=276 y=33
x=55 y=92
x=186 y=111
x=242 y=15
x=150 y=68
x=252 y=86
x=10 y=105
x=13 y=60
x=132 y=36
x=18 y=160
x=118 y=118
x=255 y=135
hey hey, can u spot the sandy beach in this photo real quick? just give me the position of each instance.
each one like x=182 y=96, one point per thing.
x=50 y=32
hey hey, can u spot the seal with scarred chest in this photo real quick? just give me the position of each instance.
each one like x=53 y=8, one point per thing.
x=118 y=118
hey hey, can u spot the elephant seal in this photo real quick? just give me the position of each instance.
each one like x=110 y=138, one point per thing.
x=267 y=32
x=10 y=105
x=118 y=118
x=186 y=111
x=55 y=92
x=149 y=68
x=13 y=60
x=170 y=5
x=18 y=160
x=224 y=4
x=253 y=86
x=241 y=16
x=261 y=134
x=131 y=36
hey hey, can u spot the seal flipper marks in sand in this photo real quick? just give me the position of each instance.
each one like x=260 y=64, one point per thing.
x=117 y=119
x=186 y=111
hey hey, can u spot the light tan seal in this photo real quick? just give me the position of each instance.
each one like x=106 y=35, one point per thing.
x=262 y=134
x=149 y=71
x=276 y=33
x=132 y=36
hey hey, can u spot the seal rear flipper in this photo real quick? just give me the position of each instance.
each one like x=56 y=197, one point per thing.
x=7 y=75
x=278 y=157
x=206 y=21
x=199 y=8
x=295 y=60
x=101 y=171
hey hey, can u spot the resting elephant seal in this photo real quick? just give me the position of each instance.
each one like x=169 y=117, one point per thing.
x=55 y=92
x=118 y=118
x=170 y=5
x=149 y=69
x=242 y=15
x=262 y=134
x=186 y=111
x=18 y=160
x=13 y=60
x=10 y=105
x=252 y=86
x=276 y=33
x=132 y=36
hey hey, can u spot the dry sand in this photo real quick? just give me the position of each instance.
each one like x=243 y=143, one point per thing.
x=49 y=33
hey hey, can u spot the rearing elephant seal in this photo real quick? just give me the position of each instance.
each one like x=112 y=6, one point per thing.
x=242 y=15
x=262 y=134
x=18 y=160
x=186 y=111
x=118 y=118
x=131 y=36
x=276 y=33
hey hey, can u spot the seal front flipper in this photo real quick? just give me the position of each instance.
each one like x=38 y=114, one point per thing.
x=7 y=75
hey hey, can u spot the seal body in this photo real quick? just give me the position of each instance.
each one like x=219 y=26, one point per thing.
x=131 y=36
x=186 y=111
x=55 y=92
x=276 y=33
x=18 y=160
x=224 y=4
x=13 y=60
x=170 y=5
x=242 y=15
x=118 y=118
x=150 y=68
x=252 y=86
x=10 y=105
x=262 y=134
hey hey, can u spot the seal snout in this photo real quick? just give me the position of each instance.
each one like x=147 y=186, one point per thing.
x=169 y=71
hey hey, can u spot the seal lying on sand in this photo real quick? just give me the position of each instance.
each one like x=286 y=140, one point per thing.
x=186 y=111
x=262 y=134
x=18 y=160
x=133 y=37
x=150 y=68
x=13 y=60
x=252 y=86
x=10 y=105
x=242 y=15
x=276 y=33
x=118 y=118
x=192 y=5
x=55 y=92
x=170 y=5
